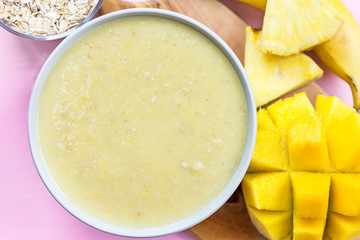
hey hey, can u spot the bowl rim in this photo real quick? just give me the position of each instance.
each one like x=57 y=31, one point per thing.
x=6 y=26
x=179 y=225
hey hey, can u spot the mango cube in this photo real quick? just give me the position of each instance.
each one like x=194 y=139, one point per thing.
x=345 y=194
x=308 y=229
x=283 y=112
x=343 y=143
x=341 y=227
x=306 y=144
x=271 y=224
x=269 y=153
x=310 y=194
x=268 y=191
x=332 y=110
x=264 y=120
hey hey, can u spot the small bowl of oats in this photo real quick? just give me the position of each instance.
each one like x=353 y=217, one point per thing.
x=46 y=19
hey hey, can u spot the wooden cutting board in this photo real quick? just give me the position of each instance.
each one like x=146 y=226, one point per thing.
x=232 y=221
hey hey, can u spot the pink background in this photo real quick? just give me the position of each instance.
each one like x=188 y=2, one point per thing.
x=27 y=210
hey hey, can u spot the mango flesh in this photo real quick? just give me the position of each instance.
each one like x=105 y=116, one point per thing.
x=332 y=110
x=269 y=153
x=324 y=191
x=308 y=229
x=271 y=224
x=341 y=227
x=345 y=194
x=283 y=112
x=268 y=191
x=310 y=194
x=306 y=143
x=264 y=120
x=343 y=142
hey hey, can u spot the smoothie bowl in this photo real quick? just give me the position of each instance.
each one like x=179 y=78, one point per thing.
x=142 y=123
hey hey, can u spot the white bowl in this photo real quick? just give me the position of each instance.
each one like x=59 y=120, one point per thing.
x=180 y=225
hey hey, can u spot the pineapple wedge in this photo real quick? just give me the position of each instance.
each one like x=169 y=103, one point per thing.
x=272 y=76
x=341 y=53
x=291 y=27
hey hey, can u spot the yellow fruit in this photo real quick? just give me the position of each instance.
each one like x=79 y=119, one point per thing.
x=283 y=112
x=292 y=140
x=310 y=194
x=343 y=143
x=341 y=227
x=269 y=153
x=291 y=27
x=271 y=224
x=308 y=229
x=268 y=191
x=332 y=110
x=341 y=53
x=272 y=76
x=345 y=194
x=261 y=4
x=264 y=120
x=306 y=143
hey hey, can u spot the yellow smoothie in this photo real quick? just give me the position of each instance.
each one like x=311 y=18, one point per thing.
x=142 y=122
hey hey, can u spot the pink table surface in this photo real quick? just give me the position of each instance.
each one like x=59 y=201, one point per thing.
x=27 y=210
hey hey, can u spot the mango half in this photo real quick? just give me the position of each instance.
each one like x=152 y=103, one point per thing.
x=303 y=182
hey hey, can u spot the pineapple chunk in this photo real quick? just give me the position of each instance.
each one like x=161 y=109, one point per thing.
x=268 y=191
x=343 y=143
x=271 y=224
x=332 y=110
x=310 y=194
x=308 y=229
x=272 y=76
x=291 y=27
x=306 y=144
x=345 y=194
x=341 y=53
x=269 y=153
x=283 y=112
x=260 y=4
x=264 y=120
x=341 y=227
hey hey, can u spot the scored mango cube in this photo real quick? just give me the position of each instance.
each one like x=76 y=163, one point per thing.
x=345 y=194
x=308 y=229
x=283 y=112
x=264 y=120
x=332 y=110
x=271 y=224
x=269 y=153
x=310 y=194
x=343 y=143
x=268 y=191
x=306 y=144
x=341 y=227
